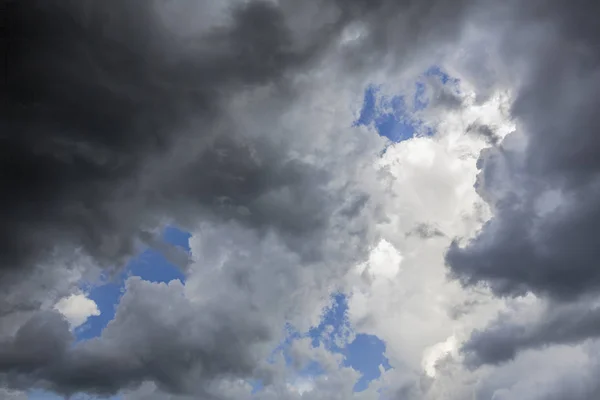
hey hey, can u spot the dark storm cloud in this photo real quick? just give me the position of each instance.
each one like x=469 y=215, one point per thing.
x=546 y=193
x=112 y=125
x=156 y=335
x=92 y=98
x=98 y=143
x=543 y=185
x=98 y=96
x=98 y=146
x=558 y=324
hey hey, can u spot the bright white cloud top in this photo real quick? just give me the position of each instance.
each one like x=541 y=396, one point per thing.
x=77 y=308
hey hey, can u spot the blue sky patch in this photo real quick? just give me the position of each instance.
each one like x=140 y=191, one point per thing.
x=150 y=265
x=395 y=118
x=365 y=353
x=444 y=77
x=389 y=116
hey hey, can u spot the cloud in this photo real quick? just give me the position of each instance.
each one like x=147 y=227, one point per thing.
x=77 y=308
x=528 y=246
x=127 y=100
x=132 y=122
x=147 y=340
x=541 y=183
x=541 y=326
x=234 y=122
x=430 y=199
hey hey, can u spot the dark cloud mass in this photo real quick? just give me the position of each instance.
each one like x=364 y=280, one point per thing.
x=93 y=97
x=146 y=341
x=542 y=182
x=558 y=324
x=114 y=123
x=545 y=192
x=110 y=113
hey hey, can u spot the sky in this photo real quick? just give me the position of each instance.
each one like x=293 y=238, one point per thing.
x=364 y=353
x=272 y=199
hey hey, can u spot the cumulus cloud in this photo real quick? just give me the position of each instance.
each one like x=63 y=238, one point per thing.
x=77 y=308
x=542 y=182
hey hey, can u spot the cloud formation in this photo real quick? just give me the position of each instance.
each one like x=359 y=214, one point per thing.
x=469 y=247
x=541 y=182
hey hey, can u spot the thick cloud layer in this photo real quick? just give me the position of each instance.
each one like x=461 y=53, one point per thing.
x=542 y=182
x=101 y=96
x=117 y=122
x=234 y=120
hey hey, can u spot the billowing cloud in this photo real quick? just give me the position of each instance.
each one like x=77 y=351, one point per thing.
x=542 y=181
x=469 y=247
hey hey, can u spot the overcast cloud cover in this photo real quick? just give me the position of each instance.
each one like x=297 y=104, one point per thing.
x=465 y=237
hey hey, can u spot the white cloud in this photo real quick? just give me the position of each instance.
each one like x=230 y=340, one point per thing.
x=77 y=308
x=301 y=385
x=420 y=314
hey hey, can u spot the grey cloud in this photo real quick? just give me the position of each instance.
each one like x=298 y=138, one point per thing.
x=186 y=339
x=551 y=375
x=157 y=335
x=486 y=131
x=542 y=184
x=116 y=124
x=535 y=243
x=426 y=231
x=110 y=98
x=557 y=324
x=401 y=31
x=13 y=395
x=100 y=143
x=39 y=342
x=441 y=95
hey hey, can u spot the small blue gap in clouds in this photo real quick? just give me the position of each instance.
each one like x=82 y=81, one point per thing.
x=291 y=334
x=367 y=113
x=150 y=265
x=420 y=101
x=364 y=354
x=332 y=324
x=392 y=118
x=435 y=70
x=389 y=116
x=445 y=79
x=177 y=237
x=257 y=385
